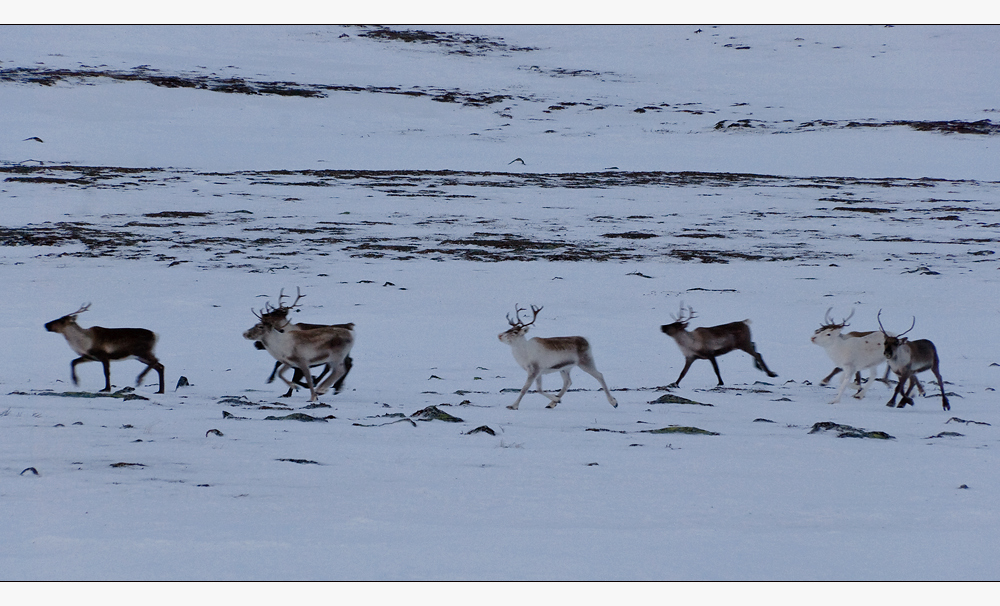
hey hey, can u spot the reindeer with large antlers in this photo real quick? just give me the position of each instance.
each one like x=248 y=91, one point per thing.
x=709 y=342
x=853 y=352
x=98 y=344
x=907 y=358
x=540 y=356
x=302 y=348
x=297 y=376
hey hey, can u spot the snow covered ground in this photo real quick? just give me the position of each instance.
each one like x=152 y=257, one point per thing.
x=751 y=172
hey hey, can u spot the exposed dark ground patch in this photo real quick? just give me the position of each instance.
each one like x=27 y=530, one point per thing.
x=268 y=220
x=45 y=76
x=453 y=43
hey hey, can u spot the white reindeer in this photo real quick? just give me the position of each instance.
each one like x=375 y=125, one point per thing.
x=541 y=356
x=103 y=345
x=907 y=358
x=853 y=352
x=301 y=348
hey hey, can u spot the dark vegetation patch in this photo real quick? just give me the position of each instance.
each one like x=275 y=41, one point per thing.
x=682 y=429
x=961 y=127
x=631 y=235
x=669 y=398
x=846 y=431
x=296 y=416
x=267 y=240
x=126 y=394
x=234 y=85
x=864 y=209
x=454 y=43
x=433 y=413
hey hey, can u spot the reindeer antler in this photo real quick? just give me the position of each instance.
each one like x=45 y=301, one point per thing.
x=912 y=324
x=82 y=309
x=829 y=323
x=681 y=318
x=295 y=303
x=517 y=315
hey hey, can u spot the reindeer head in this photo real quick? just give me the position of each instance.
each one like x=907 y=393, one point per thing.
x=273 y=318
x=60 y=324
x=892 y=343
x=518 y=328
x=680 y=322
x=830 y=329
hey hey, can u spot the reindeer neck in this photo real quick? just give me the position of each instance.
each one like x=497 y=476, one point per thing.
x=80 y=339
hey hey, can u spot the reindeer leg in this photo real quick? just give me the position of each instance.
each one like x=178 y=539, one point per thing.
x=151 y=363
x=281 y=375
x=901 y=380
x=532 y=375
x=566 y=383
x=759 y=360
x=304 y=367
x=715 y=367
x=843 y=384
x=687 y=364
x=827 y=378
x=274 y=372
x=944 y=399
x=107 y=374
x=339 y=384
x=72 y=368
x=319 y=377
x=906 y=399
x=335 y=376
x=588 y=367
x=864 y=386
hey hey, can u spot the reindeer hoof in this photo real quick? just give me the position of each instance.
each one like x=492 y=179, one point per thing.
x=512 y=407
x=551 y=405
x=890 y=403
x=946 y=405
x=673 y=385
x=772 y=374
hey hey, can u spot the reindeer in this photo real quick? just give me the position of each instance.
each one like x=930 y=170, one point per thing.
x=837 y=369
x=297 y=374
x=707 y=343
x=907 y=358
x=541 y=356
x=106 y=344
x=853 y=352
x=301 y=348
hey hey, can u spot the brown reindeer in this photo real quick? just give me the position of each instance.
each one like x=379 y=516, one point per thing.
x=297 y=376
x=707 y=343
x=98 y=344
x=299 y=348
x=907 y=358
